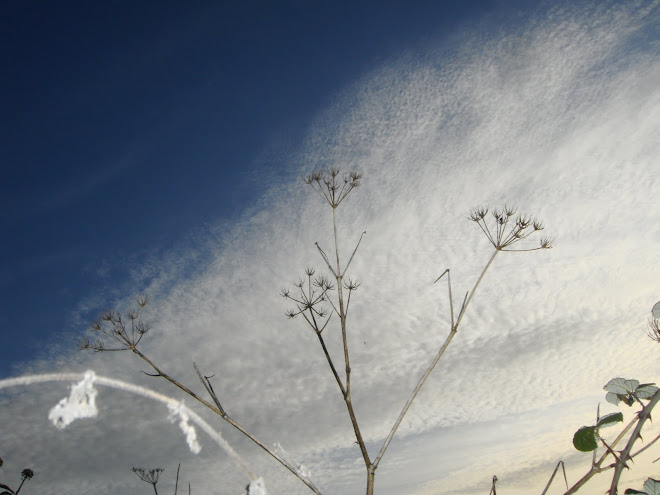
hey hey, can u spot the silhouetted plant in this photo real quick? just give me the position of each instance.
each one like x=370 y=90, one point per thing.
x=26 y=474
x=151 y=476
x=316 y=291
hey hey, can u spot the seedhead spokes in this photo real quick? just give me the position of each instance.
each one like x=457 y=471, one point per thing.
x=507 y=230
x=332 y=185
x=114 y=326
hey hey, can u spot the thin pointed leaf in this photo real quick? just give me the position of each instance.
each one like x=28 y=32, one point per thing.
x=630 y=491
x=610 y=419
x=585 y=439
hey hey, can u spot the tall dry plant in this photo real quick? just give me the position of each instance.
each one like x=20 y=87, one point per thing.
x=503 y=228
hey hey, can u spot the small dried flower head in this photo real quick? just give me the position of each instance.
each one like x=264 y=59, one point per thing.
x=1 y=462
x=142 y=328
x=478 y=214
x=284 y=293
x=546 y=242
x=313 y=177
x=133 y=314
x=538 y=225
x=142 y=301
x=108 y=316
x=351 y=284
x=27 y=474
x=96 y=326
x=291 y=313
x=499 y=217
x=151 y=476
x=522 y=222
x=323 y=283
x=309 y=271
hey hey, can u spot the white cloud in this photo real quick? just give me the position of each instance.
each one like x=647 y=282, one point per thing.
x=560 y=118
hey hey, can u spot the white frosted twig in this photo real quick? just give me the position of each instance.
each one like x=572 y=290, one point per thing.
x=300 y=469
x=81 y=404
x=257 y=487
x=178 y=411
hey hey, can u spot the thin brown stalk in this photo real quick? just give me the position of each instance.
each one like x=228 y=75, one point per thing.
x=229 y=420
x=434 y=361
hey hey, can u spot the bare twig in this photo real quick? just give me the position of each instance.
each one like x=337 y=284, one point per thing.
x=429 y=369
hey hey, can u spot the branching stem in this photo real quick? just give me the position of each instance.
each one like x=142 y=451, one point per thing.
x=434 y=361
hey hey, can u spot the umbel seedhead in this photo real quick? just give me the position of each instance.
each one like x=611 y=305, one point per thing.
x=507 y=231
x=331 y=186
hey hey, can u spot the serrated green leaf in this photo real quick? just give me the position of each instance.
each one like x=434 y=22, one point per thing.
x=612 y=398
x=610 y=419
x=646 y=390
x=652 y=487
x=621 y=386
x=585 y=439
x=656 y=310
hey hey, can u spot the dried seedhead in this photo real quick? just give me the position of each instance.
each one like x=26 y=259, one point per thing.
x=113 y=326
x=333 y=187
x=313 y=292
x=148 y=476
x=351 y=284
x=509 y=230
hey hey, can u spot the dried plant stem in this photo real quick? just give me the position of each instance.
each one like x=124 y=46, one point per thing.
x=347 y=393
x=331 y=364
x=225 y=416
x=563 y=468
x=429 y=369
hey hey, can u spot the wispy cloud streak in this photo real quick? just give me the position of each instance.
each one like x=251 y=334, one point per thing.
x=558 y=116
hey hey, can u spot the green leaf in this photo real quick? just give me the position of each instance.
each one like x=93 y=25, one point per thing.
x=621 y=386
x=585 y=439
x=612 y=398
x=656 y=310
x=610 y=419
x=652 y=487
x=630 y=491
x=646 y=390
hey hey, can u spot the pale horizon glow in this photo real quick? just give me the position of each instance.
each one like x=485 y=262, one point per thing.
x=558 y=117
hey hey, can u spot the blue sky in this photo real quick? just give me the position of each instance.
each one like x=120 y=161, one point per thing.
x=159 y=150
x=129 y=127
